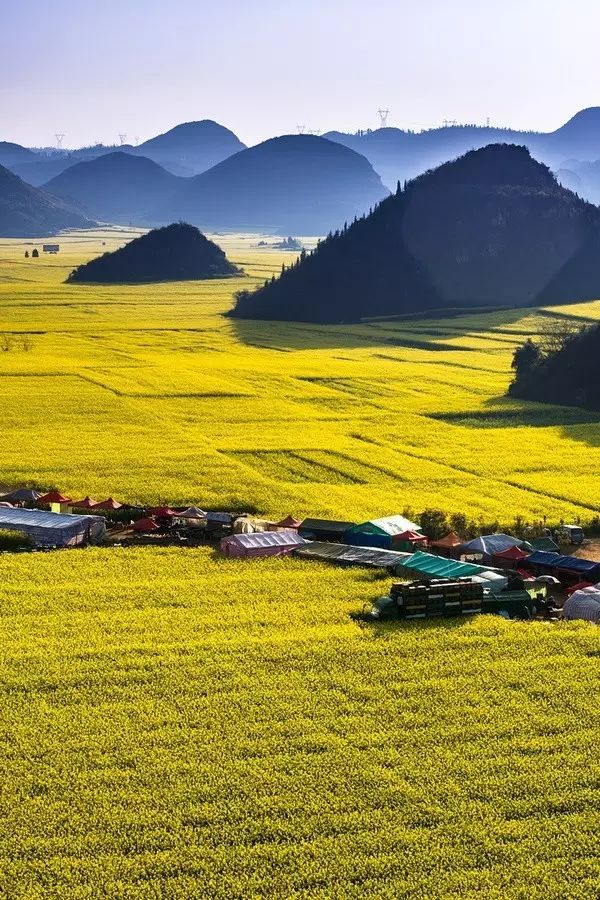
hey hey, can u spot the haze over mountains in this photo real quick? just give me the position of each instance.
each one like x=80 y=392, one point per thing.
x=26 y=211
x=491 y=228
x=297 y=184
x=116 y=187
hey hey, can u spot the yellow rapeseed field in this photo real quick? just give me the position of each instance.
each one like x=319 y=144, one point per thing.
x=148 y=393
x=182 y=726
x=174 y=725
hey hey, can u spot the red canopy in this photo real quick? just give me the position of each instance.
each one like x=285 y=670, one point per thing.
x=525 y=575
x=162 y=512
x=86 y=503
x=288 y=522
x=53 y=497
x=108 y=504
x=578 y=587
x=145 y=525
x=512 y=553
x=411 y=536
x=451 y=540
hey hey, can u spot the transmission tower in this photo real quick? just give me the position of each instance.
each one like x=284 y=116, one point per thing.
x=59 y=141
x=383 y=116
x=314 y=131
x=122 y=138
x=301 y=129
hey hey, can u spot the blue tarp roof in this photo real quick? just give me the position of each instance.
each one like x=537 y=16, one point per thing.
x=489 y=544
x=556 y=561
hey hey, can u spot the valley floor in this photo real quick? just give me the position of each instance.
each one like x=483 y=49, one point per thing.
x=178 y=725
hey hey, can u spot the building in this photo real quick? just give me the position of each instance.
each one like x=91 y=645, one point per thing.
x=49 y=529
x=50 y=248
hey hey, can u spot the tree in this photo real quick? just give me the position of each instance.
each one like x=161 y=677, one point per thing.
x=526 y=358
x=35 y=253
x=27 y=254
x=557 y=333
x=434 y=523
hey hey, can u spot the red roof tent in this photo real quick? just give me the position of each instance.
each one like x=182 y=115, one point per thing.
x=410 y=536
x=162 y=512
x=53 y=497
x=526 y=576
x=146 y=526
x=451 y=540
x=578 y=587
x=513 y=553
x=109 y=504
x=86 y=503
x=288 y=522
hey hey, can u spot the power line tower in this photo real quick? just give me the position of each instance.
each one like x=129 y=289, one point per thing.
x=59 y=141
x=122 y=138
x=314 y=131
x=301 y=129
x=383 y=117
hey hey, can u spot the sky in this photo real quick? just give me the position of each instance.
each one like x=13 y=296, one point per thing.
x=94 y=69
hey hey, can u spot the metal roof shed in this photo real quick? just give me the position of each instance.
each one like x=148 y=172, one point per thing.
x=324 y=529
x=48 y=529
x=262 y=543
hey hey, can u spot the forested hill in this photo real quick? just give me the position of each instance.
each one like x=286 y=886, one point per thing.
x=491 y=228
x=568 y=375
x=178 y=252
x=26 y=211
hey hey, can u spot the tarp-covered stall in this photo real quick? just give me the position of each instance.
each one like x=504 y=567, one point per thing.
x=324 y=529
x=583 y=605
x=345 y=555
x=49 y=529
x=262 y=543
x=382 y=532
x=569 y=569
x=488 y=545
x=438 y=566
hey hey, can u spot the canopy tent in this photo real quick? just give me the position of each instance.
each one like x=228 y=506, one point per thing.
x=110 y=505
x=509 y=559
x=49 y=529
x=583 y=605
x=162 y=512
x=262 y=543
x=346 y=555
x=489 y=545
x=493 y=580
x=439 y=566
x=324 y=529
x=192 y=512
x=146 y=526
x=580 y=586
x=54 y=497
x=386 y=532
x=541 y=562
x=86 y=503
x=288 y=522
x=22 y=495
x=449 y=542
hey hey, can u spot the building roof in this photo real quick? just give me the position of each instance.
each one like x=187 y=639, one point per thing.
x=391 y=525
x=544 y=543
x=450 y=540
x=145 y=525
x=284 y=538
x=86 y=503
x=326 y=525
x=22 y=495
x=490 y=544
x=162 y=512
x=439 y=566
x=514 y=554
x=192 y=512
x=39 y=518
x=108 y=504
x=410 y=536
x=288 y=522
x=349 y=555
x=573 y=564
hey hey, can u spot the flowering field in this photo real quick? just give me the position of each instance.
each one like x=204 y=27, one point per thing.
x=174 y=725
x=147 y=393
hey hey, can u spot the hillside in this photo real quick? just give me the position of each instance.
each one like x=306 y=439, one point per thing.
x=298 y=184
x=26 y=211
x=398 y=154
x=177 y=252
x=191 y=148
x=491 y=228
x=14 y=154
x=568 y=375
x=116 y=186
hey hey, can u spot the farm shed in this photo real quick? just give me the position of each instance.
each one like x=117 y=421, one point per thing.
x=263 y=543
x=324 y=529
x=488 y=545
x=438 y=566
x=48 y=529
x=345 y=555
x=380 y=532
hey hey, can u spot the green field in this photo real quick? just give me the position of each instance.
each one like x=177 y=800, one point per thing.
x=178 y=725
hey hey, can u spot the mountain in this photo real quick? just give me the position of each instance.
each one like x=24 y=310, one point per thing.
x=581 y=177
x=401 y=155
x=26 y=211
x=491 y=228
x=298 y=184
x=191 y=148
x=116 y=186
x=175 y=253
x=14 y=154
x=568 y=375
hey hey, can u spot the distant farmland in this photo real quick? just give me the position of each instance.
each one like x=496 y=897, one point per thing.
x=148 y=392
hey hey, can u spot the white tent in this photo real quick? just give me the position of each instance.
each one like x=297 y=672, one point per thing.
x=192 y=512
x=48 y=529
x=584 y=604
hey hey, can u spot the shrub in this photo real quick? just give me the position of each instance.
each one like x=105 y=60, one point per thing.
x=14 y=540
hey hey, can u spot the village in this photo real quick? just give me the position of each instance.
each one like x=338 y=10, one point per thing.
x=444 y=577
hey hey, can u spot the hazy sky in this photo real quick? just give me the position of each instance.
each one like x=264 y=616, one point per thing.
x=95 y=68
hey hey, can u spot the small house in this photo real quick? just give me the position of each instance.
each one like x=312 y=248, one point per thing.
x=261 y=543
x=50 y=248
x=384 y=532
x=50 y=529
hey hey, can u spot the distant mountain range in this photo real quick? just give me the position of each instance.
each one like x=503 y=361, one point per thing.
x=297 y=184
x=26 y=211
x=116 y=187
x=491 y=228
x=178 y=252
